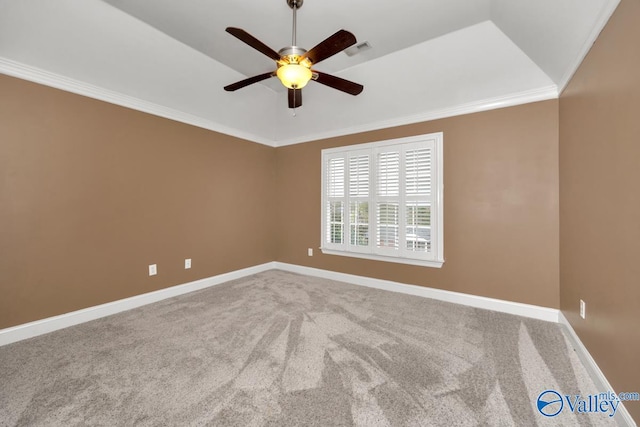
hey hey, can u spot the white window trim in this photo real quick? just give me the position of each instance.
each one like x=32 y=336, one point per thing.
x=438 y=258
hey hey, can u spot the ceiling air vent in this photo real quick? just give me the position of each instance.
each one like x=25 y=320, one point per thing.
x=355 y=49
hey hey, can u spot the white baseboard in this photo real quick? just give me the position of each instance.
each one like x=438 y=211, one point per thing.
x=50 y=324
x=526 y=310
x=622 y=417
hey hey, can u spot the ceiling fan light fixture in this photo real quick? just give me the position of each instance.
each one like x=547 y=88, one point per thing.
x=294 y=76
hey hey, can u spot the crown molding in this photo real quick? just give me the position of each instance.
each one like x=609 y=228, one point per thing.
x=525 y=97
x=37 y=75
x=605 y=15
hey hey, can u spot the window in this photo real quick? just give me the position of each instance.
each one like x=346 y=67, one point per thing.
x=383 y=200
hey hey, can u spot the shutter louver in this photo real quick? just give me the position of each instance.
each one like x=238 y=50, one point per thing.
x=389 y=173
x=387 y=209
x=336 y=222
x=418 y=230
x=359 y=204
x=359 y=176
x=417 y=205
x=359 y=223
x=418 y=172
x=335 y=208
x=335 y=175
x=388 y=218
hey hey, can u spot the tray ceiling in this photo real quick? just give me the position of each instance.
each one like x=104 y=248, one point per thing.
x=428 y=59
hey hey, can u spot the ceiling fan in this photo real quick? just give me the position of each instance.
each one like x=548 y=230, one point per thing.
x=294 y=63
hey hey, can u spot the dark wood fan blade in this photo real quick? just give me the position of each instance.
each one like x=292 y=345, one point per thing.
x=338 y=83
x=295 y=98
x=249 y=81
x=330 y=46
x=253 y=42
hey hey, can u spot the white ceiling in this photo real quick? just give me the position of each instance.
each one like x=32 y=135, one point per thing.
x=429 y=58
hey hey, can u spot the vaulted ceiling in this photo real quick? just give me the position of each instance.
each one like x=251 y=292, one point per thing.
x=428 y=58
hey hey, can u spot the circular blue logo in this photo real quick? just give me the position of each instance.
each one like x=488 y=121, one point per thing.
x=550 y=403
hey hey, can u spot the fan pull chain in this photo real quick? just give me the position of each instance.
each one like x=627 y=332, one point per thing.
x=294 y=99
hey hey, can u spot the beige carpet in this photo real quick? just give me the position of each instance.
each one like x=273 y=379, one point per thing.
x=281 y=349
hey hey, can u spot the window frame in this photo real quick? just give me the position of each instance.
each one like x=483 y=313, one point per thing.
x=434 y=258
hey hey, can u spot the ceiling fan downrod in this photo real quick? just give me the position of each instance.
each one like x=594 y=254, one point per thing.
x=295 y=5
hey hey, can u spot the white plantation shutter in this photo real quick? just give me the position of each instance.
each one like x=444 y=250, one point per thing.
x=359 y=176
x=336 y=177
x=418 y=198
x=418 y=231
x=387 y=225
x=388 y=200
x=418 y=172
x=335 y=202
x=384 y=200
x=358 y=221
x=389 y=173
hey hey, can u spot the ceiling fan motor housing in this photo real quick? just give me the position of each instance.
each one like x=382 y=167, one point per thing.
x=292 y=51
x=292 y=55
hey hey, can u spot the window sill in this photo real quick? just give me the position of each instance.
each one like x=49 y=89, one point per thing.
x=410 y=261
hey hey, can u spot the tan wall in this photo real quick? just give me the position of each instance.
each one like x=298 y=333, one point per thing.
x=500 y=211
x=91 y=193
x=600 y=201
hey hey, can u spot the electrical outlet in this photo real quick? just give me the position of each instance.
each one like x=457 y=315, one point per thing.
x=583 y=309
x=153 y=270
x=310 y=251
x=187 y=263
